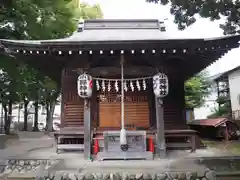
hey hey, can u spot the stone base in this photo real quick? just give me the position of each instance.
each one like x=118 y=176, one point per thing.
x=124 y=155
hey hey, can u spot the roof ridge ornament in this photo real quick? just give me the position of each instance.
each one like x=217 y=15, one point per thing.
x=162 y=26
x=81 y=25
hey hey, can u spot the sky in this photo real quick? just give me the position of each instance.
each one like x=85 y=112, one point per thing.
x=139 y=9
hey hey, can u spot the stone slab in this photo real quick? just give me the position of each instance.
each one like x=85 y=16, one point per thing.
x=124 y=155
x=21 y=176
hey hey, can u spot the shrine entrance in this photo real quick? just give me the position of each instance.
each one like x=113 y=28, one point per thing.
x=136 y=110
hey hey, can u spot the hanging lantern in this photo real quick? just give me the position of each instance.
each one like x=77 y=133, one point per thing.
x=160 y=85
x=84 y=86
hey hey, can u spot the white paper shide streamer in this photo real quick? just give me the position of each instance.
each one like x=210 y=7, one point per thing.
x=116 y=86
x=144 y=85
x=103 y=85
x=125 y=86
x=131 y=86
x=109 y=86
x=136 y=84
x=97 y=85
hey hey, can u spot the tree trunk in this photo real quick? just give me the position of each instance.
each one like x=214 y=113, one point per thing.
x=2 y=119
x=50 y=111
x=19 y=114
x=25 y=125
x=6 y=122
x=10 y=112
x=47 y=116
x=35 y=128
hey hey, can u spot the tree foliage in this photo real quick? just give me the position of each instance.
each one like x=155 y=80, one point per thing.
x=196 y=90
x=185 y=11
x=35 y=19
x=87 y=11
x=32 y=19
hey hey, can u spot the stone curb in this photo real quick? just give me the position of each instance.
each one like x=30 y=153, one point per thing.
x=207 y=175
x=28 y=166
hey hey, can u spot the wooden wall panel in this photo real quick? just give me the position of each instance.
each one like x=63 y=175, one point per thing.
x=136 y=109
x=73 y=114
x=137 y=113
x=73 y=105
x=174 y=105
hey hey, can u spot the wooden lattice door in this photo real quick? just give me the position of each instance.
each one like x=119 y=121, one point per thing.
x=136 y=109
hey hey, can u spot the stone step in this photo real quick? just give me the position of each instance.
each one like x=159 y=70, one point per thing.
x=21 y=176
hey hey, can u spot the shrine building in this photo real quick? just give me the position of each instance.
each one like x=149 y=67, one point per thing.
x=120 y=58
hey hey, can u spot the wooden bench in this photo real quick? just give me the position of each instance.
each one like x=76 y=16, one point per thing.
x=188 y=138
x=189 y=135
x=67 y=137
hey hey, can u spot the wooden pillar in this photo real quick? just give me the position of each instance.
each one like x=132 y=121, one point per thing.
x=151 y=106
x=226 y=132
x=87 y=129
x=160 y=136
x=63 y=91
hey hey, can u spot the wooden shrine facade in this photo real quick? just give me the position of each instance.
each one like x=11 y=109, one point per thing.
x=106 y=109
x=96 y=48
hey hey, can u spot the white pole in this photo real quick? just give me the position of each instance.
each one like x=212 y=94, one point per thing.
x=122 y=93
x=123 y=138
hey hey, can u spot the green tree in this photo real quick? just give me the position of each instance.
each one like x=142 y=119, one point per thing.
x=8 y=88
x=185 y=11
x=87 y=11
x=196 y=89
x=49 y=98
x=31 y=19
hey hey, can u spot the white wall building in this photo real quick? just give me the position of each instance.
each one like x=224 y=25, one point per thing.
x=234 y=88
x=228 y=86
x=208 y=107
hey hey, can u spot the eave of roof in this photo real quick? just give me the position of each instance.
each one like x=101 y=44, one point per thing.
x=215 y=122
x=74 y=40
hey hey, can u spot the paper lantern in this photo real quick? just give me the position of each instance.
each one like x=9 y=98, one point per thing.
x=160 y=85
x=84 y=86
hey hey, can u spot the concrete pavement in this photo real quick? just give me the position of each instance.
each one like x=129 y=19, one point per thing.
x=23 y=146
